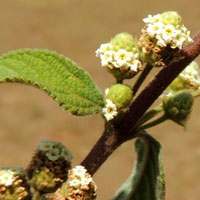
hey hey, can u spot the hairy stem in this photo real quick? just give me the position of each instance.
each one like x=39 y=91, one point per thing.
x=111 y=139
x=107 y=143
x=141 y=78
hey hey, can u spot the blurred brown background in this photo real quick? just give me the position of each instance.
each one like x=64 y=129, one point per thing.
x=76 y=28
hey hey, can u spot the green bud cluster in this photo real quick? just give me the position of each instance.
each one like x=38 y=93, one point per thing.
x=178 y=107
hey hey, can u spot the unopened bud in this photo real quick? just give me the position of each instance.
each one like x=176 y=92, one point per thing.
x=178 y=107
x=171 y=17
x=120 y=94
x=124 y=41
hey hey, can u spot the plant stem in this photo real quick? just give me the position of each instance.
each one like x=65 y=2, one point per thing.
x=111 y=139
x=105 y=146
x=141 y=78
x=153 y=123
x=149 y=115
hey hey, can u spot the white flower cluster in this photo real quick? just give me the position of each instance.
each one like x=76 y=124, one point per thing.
x=167 y=34
x=191 y=75
x=110 y=109
x=8 y=175
x=117 y=59
x=188 y=80
x=80 y=178
x=54 y=150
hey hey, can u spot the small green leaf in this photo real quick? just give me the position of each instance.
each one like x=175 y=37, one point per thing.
x=147 y=181
x=61 y=78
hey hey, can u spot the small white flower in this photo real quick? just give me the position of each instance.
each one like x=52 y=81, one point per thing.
x=151 y=19
x=179 y=40
x=79 y=171
x=17 y=170
x=169 y=33
x=75 y=183
x=161 y=42
x=123 y=56
x=53 y=154
x=7 y=178
x=86 y=181
x=191 y=74
x=135 y=65
x=103 y=48
x=66 y=154
x=45 y=146
x=106 y=58
x=186 y=33
x=106 y=91
x=110 y=111
x=155 y=28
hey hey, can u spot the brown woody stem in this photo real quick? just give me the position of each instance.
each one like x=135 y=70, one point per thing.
x=105 y=146
x=111 y=139
x=141 y=78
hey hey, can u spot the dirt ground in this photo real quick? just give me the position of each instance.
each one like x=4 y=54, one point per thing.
x=76 y=28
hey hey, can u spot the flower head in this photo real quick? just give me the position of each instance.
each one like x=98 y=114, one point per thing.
x=187 y=80
x=162 y=36
x=119 y=55
x=78 y=186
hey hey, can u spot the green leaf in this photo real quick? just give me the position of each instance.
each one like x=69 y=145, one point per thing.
x=61 y=78
x=147 y=182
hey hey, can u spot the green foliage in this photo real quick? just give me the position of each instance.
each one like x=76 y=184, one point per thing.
x=147 y=180
x=61 y=78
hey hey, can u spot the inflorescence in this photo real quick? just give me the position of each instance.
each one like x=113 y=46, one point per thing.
x=162 y=36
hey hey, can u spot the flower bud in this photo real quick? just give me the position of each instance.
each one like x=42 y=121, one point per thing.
x=171 y=17
x=49 y=166
x=14 y=184
x=124 y=41
x=121 y=95
x=178 y=107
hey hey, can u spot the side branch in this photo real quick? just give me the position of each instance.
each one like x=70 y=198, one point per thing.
x=114 y=137
x=155 y=88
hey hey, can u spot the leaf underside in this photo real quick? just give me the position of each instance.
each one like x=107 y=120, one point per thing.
x=61 y=78
x=147 y=182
